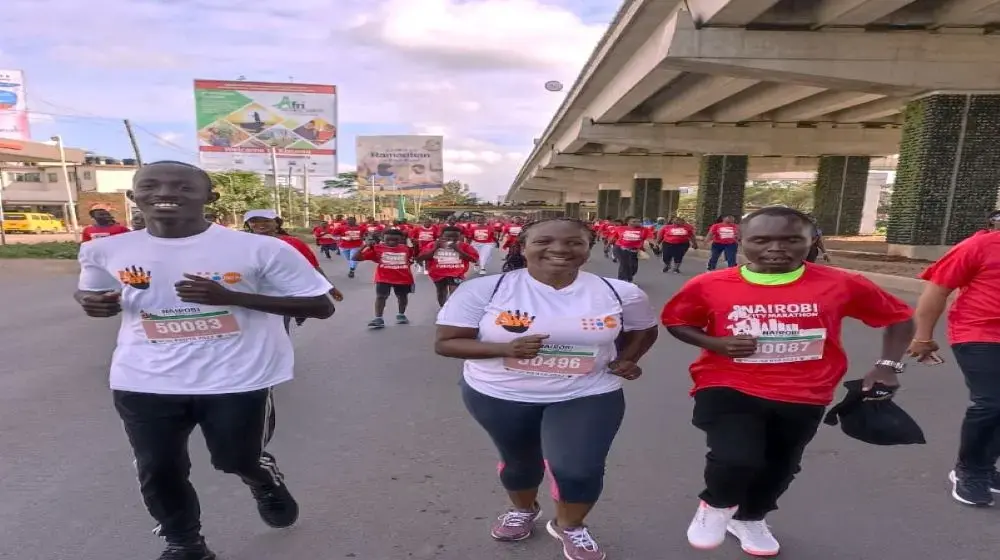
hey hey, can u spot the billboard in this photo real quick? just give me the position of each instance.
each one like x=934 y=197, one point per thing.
x=239 y=123
x=13 y=109
x=401 y=162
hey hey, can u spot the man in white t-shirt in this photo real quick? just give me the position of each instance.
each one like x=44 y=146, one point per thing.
x=201 y=344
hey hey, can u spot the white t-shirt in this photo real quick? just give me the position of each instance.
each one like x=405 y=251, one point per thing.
x=582 y=321
x=166 y=346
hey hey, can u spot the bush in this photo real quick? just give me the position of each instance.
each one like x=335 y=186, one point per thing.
x=66 y=250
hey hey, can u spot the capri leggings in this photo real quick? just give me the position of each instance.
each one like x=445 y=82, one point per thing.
x=572 y=438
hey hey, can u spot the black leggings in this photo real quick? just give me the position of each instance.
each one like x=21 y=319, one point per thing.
x=628 y=263
x=572 y=438
x=674 y=252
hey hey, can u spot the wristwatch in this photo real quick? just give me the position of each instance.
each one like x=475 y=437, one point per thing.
x=898 y=367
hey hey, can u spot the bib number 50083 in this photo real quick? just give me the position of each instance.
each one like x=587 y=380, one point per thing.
x=551 y=362
x=190 y=326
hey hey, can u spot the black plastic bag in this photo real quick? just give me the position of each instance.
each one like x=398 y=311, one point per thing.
x=873 y=417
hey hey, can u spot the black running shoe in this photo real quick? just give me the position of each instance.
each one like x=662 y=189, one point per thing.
x=196 y=550
x=276 y=505
x=971 y=490
x=350 y=274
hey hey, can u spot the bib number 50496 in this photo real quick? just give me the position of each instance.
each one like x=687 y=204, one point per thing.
x=552 y=362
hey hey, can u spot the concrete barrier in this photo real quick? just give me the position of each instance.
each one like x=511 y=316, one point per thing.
x=887 y=281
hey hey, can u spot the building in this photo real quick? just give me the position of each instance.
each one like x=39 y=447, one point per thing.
x=24 y=178
x=41 y=187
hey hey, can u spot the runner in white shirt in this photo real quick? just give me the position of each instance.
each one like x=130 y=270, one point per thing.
x=201 y=343
x=543 y=374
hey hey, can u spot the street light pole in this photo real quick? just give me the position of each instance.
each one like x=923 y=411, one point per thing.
x=70 y=203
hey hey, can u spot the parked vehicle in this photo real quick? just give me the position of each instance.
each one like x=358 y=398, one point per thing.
x=31 y=222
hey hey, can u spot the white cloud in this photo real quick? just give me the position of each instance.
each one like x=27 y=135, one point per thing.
x=469 y=70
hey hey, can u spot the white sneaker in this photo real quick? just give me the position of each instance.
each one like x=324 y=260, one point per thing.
x=708 y=528
x=755 y=537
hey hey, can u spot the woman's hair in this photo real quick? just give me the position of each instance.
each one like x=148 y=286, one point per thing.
x=515 y=256
x=452 y=229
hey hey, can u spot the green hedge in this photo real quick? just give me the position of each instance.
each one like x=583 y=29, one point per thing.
x=65 y=250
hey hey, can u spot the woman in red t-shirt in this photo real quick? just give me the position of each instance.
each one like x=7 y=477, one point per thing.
x=771 y=360
x=447 y=261
x=393 y=260
x=675 y=238
x=628 y=240
x=724 y=239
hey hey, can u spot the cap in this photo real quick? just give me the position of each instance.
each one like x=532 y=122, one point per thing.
x=267 y=214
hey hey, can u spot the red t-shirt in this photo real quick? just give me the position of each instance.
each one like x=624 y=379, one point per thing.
x=481 y=234
x=800 y=357
x=301 y=247
x=724 y=234
x=628 y=237
x=97 y=232
x=447 y=263
x=671 y=233
x=351 y=237
x=393 y=263
x=373 y=228
x=510 y=233
x=324 y=235
x=973 y=268
x=423 y=234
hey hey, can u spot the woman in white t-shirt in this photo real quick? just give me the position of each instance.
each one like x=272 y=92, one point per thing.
x=543 y=374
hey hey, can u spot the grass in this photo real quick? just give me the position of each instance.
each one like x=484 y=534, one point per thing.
x=62 y=250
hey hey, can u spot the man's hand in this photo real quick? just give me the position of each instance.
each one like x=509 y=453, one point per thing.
x=106 y=304
x=337 y=295
x=625 y=369
x=740 y=346
x=879 y=375
x=922 y=349
x=196 y=289
x=525 y=346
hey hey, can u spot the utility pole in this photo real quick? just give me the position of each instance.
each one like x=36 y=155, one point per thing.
x=274 y=175
x=3 y=236
x=135 y=143
x=305 y=187
x=291 y=193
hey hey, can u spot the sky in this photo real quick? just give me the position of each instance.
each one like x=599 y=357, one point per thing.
x=470 y=70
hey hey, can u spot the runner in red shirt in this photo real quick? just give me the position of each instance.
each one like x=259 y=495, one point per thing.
x=483 y=239
x=772 y=358
x=724 y=239
x=973 y=268
x=421 y=235
x=323 y=232
x=675 y=238
x=447 y=261
x=511 y=231
x=104 y=226
x=352 y=237
x=373 y=229
x=392 y=274
x=267 y=222
x=337 y=221
x=628 y=241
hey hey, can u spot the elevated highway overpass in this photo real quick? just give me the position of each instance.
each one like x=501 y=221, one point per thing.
x=713 y=92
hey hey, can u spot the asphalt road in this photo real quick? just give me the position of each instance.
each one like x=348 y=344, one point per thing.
x=387 y=465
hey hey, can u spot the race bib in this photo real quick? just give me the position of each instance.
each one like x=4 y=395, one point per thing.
x=447 y=257
x=184 y=328
x=803 y=346
x=556 y=360
x=481 y=235
x=678 y=232
x=514 y=231
x=99 y=235
x=425 y=236
x=727 y=233
x=393 y=260
x=632 y=236
x=353 y=235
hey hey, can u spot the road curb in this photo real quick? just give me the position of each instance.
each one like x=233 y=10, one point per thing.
x=887 y=281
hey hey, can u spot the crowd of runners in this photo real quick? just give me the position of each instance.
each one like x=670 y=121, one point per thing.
x=546 y=348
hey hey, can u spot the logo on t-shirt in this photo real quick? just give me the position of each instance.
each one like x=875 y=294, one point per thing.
x=760 y=320
x=227 y=277
x=515 y=321
x=609 y=322
x=136 y=277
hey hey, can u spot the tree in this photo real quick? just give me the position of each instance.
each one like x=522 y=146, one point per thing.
x=453 y=193
x=239 y=191
x=793 y=194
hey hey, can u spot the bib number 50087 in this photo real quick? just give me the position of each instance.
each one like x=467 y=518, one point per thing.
x=197 y=325
x=552 y=362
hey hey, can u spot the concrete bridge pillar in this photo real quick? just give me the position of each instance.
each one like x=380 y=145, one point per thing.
x=646 y=197
x=670 y=201
x=608 y=202
x=721 y=187
x=841 y=187
x=948 y=173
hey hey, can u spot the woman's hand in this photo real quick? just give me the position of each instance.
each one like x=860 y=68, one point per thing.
x=625 y=369
x=525 y=346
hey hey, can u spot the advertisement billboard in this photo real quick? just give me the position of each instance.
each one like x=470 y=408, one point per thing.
x=240 y=122
x=401 y=162
x=13 y=109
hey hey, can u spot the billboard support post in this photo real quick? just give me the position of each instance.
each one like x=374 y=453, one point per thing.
x=305 y=189
x=374 y=209
x=274 y=176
